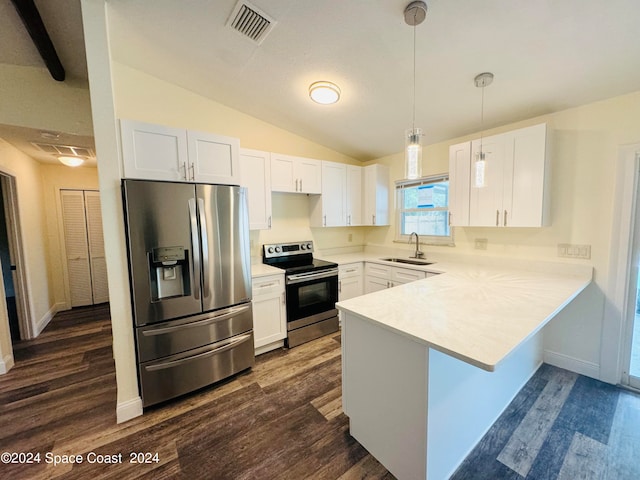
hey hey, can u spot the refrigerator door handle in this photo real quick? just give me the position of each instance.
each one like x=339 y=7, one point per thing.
x=230 y=312
x=195 y=248
x=205 y=249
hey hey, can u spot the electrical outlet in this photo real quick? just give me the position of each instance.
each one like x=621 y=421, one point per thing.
x=481 y=244
x=350 y=237
x=569 y=250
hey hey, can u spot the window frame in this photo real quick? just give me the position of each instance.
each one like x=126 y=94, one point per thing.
x=424 y=239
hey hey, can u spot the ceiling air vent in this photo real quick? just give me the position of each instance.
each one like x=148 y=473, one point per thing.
x=250 y=21
x=64 y=150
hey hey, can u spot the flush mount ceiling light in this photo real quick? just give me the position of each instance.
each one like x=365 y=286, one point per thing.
x=71 y=161
x=414 y=15
x=481 y=80
x=324 y=93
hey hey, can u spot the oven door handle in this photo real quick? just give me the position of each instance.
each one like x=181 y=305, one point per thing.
x=305 y=277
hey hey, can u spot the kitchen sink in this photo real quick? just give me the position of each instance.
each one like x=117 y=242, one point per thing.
x=410 y=261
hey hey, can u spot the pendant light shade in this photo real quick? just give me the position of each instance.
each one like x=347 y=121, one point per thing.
x=414 y=14
x=413 y=153
x=480 y=164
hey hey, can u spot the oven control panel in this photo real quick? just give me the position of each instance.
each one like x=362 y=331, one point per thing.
x=287 y=249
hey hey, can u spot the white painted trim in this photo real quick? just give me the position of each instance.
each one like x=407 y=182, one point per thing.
x=127 y=410
x=612 y=348
x=6 y=364
x=46 y=318
x=572 y=364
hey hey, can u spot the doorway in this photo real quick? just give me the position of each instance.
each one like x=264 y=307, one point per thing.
x=8 y=269
x=631 y=375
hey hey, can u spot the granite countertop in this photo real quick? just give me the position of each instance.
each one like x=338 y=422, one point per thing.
x=476 y=312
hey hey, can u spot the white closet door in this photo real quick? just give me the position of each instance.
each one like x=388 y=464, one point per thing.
x=95 y=238
x=77 y=249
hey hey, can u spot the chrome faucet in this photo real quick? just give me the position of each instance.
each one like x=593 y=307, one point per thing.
x=418 y=253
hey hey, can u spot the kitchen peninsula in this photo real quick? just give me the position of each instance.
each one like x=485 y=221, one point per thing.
x=428 y=366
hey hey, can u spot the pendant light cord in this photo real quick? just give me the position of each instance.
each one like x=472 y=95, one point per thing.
x=481 y=121
x=413 y=124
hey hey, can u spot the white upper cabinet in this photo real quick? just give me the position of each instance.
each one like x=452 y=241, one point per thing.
x=213 y=158
x=330 y=208
x=486 y=198
x=510 y=189
x=153 y=151
x=526 y=196
x=459 y=181
x=354 y=195
x=376 y=195
x=295 y=174
x=255 y=174
x=340 y=203
x=158 y=152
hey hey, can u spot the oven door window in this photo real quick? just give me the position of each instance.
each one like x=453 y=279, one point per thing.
x=312 y=297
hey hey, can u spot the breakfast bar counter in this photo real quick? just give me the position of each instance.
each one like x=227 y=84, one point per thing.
x=428 y=366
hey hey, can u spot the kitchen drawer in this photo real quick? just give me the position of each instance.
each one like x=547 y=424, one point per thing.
x=405 y=275
x=376 y=270
x=270 y=286
x=188 y=371
x=350 y=270
x=168 y=338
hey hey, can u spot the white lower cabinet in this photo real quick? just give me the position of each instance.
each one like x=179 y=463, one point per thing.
x=378 y=277
x=269 y=313
x=350 y=281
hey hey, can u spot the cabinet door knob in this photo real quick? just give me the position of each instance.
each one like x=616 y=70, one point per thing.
x=324 y=221
x=373 y=219
x=193 y=171
x=300 y=184
x=339 y=286
x=449 y=218
x=497 y=218
x=505 y=218
x=296 y=184
x=184 y=168
x=269 y=222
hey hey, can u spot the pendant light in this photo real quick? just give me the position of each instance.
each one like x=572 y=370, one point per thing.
x=481 y=80
x=414 y=14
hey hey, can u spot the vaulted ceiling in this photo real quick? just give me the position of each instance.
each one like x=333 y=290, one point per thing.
x=547 y=55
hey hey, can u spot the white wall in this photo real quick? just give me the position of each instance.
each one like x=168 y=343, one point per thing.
x=31 y=98
x=33 y=231
x=584 y=153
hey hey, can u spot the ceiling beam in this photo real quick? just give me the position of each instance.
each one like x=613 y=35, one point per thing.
x=33 y=23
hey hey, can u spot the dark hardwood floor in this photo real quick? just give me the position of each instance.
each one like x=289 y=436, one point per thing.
x=282 y=419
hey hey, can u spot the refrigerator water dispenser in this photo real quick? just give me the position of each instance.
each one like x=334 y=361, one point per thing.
x=169 y=272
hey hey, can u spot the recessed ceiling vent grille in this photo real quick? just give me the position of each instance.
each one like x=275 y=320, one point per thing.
x=64 y=150
x=250 y=21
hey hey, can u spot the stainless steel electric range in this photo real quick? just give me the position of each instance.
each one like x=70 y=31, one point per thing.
x=311 y=290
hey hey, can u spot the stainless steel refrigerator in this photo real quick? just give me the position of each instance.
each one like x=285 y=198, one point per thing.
x=190 y=272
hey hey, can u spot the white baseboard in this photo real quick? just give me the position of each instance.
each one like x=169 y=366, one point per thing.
x=130 y=409
x=46 y=318
x=5 y=364
x=576 y=365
